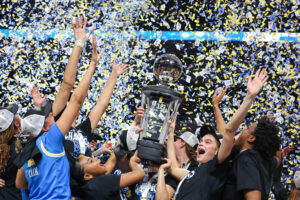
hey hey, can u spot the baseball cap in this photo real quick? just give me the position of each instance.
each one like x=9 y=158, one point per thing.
x=208 y=129
x=33 y=120
x=7 y=116
x=128 y=141
x=190 y=138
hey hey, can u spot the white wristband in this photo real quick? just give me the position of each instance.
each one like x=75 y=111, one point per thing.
x=82 y=43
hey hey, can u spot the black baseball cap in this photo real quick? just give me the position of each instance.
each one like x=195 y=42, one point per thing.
x=208 y=129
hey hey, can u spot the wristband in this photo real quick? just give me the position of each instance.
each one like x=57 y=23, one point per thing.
x=82 y=43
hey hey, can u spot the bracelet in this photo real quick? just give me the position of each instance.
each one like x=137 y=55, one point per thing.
x=79 y=43
x=82 y=43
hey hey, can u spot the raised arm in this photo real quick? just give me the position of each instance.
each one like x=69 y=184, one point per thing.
x=217 y=98
x=77 y=99
x=171 y=145
x=137 y=174
x=163 y=191
x=103 y=100
x=36 y=96
x=68 y=82
x=253 y=87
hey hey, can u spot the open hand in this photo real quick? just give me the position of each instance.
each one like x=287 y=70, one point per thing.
x=119 y=68
x=254 y=86
x=106 y=147
x=79 y=29
x=285 y=151
x=139 y=115
x=95 y=56
x=37 y=99
x=217 y=98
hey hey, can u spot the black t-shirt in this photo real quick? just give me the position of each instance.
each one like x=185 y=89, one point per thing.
x=249 y=172
x=147 y=187
x=76 y=140
x=205 y=182
x=105 y=187
x=9 y=191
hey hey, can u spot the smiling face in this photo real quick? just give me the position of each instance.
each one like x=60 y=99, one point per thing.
x=92 y=167
x=207 y=149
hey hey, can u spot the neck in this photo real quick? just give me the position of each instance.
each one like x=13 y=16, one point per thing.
x=246 y=146
x=182 y=158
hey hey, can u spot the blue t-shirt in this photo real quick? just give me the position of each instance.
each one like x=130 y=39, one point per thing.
x=50 y=178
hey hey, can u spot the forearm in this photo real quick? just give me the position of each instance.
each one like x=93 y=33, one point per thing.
x=21 y=182
x=252 y=194
x=161 y=189
x=219 y=119
x=71 y=68
x=178 y=173
x=171 y=150
x=82 y=89
x=68 y=82
x=103 y=101
x=239 y=115
x=111 y=163
x=138 y=170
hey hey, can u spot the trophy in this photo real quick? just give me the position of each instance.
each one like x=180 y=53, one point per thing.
x=161 y=104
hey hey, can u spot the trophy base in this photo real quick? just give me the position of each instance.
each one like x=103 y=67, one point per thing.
x=150 y=151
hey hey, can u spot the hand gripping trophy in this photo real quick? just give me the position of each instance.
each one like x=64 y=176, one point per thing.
x=161 y=104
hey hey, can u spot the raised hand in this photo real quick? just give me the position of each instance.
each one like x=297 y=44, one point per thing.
x=254 y=86
x=172 y=125
x=135 y=158
x=95 y=56
x=285 y=151
x=79 y=29
x=217 y=98
x=118 y=69
x=167 y=165
x=139 y=115
x=37 y=99
x=105 y=148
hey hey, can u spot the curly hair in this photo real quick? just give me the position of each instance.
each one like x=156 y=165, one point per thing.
x=294 y=194
x=191 y=152
x=5 y=136
x=267 y=140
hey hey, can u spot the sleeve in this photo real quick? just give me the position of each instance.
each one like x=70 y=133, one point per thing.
x=247 y=174
x=52 y=141
x=59 y=114
x=218 y=169
x=86 y=129
x=171 y=181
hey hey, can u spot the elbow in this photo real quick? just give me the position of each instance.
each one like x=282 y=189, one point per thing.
x=229 y=129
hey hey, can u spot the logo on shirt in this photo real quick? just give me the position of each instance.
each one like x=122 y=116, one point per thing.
x=31 y=162
x=190 y=175
x=33 y=172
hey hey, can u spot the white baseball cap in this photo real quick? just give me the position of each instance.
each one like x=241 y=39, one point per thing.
x=190 y=138
x=7 y=116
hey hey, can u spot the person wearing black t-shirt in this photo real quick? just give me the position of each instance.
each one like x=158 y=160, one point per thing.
x=100 y=184
x=208 y=179
x=253 y=168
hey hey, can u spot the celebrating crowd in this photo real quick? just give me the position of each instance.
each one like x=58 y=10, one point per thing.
x=45 y=155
